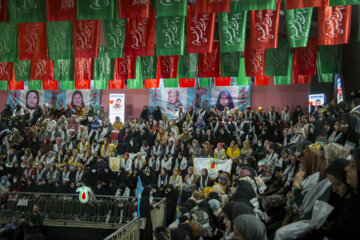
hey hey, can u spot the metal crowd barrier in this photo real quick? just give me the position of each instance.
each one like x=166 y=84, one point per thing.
x=131 y=231
x=100 y=209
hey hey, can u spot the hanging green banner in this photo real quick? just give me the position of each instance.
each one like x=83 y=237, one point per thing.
x=35 y=85
x=64 y=70
x=95 y=9
x=167 y=8
x=285 y=80
x=242 y=79
x=148 y=66
x=257 y=4
x=232 y=29
x=298 y=23
x=325 y=77
x=103 y=66
x=187 y=67
x=328 y=58
x=22 y=70
x=67 y=85
x=277 y=59
x=8 y=40
x=343 y=2
x=138 y=82
x=204 y=82
x=60 y=39
x=171 y=82
x=100 y=85
x=230 y=64
x=21 y=11
x=114 y=31
x=170 y=34
x=4 y=85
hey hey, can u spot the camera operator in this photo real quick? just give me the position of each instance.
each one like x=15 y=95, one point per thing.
x=32 y=227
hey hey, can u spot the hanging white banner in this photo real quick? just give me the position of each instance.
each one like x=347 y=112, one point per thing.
x=212 y=165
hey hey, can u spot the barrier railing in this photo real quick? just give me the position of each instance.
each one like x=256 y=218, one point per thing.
x=131 y=231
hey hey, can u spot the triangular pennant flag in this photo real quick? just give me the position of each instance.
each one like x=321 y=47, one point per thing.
x=232 y=29
x=168 y=66
x=114 y=32
x=6 y=71
x=170 y=35
x=343 y=2
x=211 y=6
x=134 y=8
x=60 y=41
x=188 y=65
x=171 y=8
x=230 y=64
x=67 y=85
x=298 y=23
x=86 y=38
x=264 y=27
x=199 y=31
x=64 y=10
x=291 y=4
x=22 y=70
x=4 y=85
x=171 y=82
x=95 y=9
x=4 y=16
x=116 y=84
x=50 y=84
x=208 y=64
x=242 y=79
x=254 y=61
x=148 y=66
x=136 y=83
x=334 y=25
x=8 y=33
x=305 y=59
x=204 y=82
x=140 y=36
x=262 y=80
x=257 y=4
x=222 y=81
x=328 y=59
x=35 y=85
x=187 y=82
x=277 y=59
x=32 y=41
x=64 y=69
x=27 y=11
x=152 y=83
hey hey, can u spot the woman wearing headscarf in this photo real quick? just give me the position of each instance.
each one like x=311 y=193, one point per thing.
x=171 y=195
x=181 y=162
x=195 y=149
x=106 y=148
x=145 y=212
x=246 y=150
x=233 y=151
x=207 y=150
x=204 y=180
x=162 y=136
x=176 y=179
x=249 y=227
x=145 y=113
x=189 y=184
x=132 y=147
x=219 y=152
x=157 y=114
x=162 y=181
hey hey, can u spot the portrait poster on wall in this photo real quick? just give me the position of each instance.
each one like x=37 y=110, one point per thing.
x=316 y=100
x=117 y=107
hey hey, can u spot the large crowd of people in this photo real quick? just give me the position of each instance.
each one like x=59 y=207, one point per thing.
x=287 y=168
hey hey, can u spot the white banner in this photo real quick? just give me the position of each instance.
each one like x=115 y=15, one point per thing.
x=117 y=107
x=212 y=165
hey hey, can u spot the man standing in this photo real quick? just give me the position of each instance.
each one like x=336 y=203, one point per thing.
x=32 y=227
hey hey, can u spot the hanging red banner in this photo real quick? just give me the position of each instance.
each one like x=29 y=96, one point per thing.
x=264 y=27
x=208 y=63
x=16 y=85
x=140 y=36
x=32 y=41
x=82 y=84
x=199 y=31
x=84 y=68
x=4 y=17
x=86 y=38
x=50 y=85
x=116 y=84
x=254 y=61
x=304 y=62
x=222 y=81
x=301 y=78
x=134 y=8
x=6 y=71
x=152 y=83
x=187 y=82
x=125 y=68
x=61 y=10
x=262 y=80
x=211 y=6
x=334 y=25
x=168 y=66
x=291 y=4
x=41 y=69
